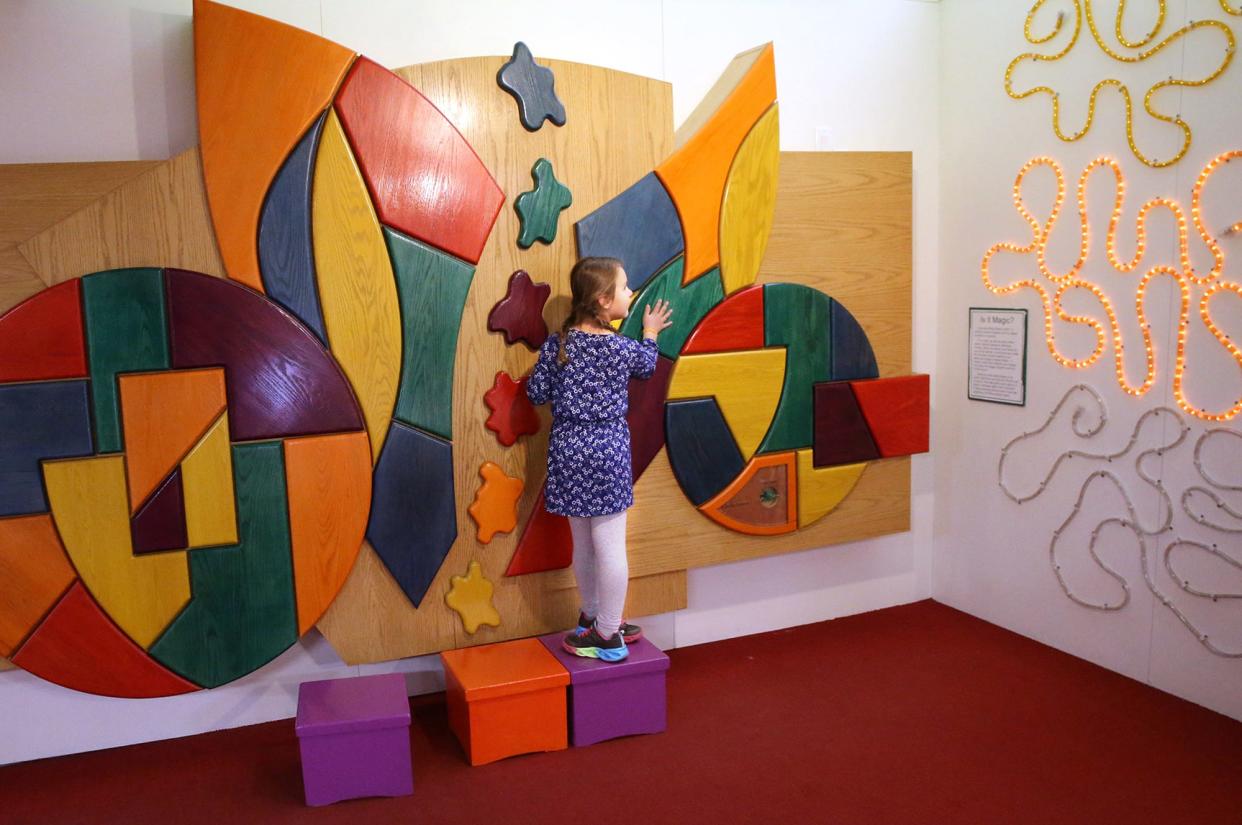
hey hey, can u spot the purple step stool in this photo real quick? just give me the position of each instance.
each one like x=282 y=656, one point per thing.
x=611 y=699
x=355 y=738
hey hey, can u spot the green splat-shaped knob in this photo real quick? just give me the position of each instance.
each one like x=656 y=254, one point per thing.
x=539 y=209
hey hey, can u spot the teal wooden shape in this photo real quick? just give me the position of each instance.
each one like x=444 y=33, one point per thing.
x=689 y=303
x=431 y=288
x=243 y=612
x=800 y=319
x=126 y=331
x=539 y=209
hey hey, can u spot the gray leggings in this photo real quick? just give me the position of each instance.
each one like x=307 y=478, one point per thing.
x=601 y=568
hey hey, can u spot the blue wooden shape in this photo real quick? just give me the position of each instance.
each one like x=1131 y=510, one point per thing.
x=286 y=257
x=533 y=87
x=50 y=419
x=701 y=448
x=852 y=356
x=413 y=509
x=640 y=227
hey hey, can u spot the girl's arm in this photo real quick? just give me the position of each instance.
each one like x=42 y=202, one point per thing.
x=656 y=319
x=539 y=382
x=644 y=355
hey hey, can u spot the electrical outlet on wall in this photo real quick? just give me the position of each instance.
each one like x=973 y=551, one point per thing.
x=823 y=138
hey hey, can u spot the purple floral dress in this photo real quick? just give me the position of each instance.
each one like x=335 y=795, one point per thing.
x=589 y=470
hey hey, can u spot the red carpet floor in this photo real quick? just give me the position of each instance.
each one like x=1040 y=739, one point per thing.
x=916 y=714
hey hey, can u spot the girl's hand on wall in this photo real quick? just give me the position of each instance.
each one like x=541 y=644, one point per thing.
x=656 y=317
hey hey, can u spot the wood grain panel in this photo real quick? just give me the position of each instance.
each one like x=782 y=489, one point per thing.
x=618 y=128
x=259 y=85
x=158 y=218
x=18 y=280
x=142 y=594
x=357 y=289
x=34 y=196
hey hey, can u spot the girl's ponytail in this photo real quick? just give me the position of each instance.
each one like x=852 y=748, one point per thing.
x=589 y=280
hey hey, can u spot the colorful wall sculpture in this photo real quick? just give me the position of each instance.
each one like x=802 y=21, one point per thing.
x=363 y=210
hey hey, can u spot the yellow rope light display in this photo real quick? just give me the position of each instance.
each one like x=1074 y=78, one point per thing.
x=1082 y=7
x=1184 y=274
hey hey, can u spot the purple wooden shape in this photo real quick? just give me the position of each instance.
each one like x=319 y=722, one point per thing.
x=841 y=432
x=646 y=415
x=159 y=523
x=280 y=380
x=519 y=315
x=354 y=737
x=611 y=699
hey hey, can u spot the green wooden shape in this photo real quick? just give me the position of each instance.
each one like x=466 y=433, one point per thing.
x=431 y=288
x=689 y=303
x=243 y=612
x=798 y=318
x=539 y=209
x=126 y=331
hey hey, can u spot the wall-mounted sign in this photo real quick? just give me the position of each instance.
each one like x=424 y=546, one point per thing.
x=996 y=370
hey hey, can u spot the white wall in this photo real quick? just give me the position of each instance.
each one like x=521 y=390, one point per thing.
x=111 y=81
x=992 y=555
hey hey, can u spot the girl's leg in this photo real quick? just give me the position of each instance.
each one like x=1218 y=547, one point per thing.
x=612 y=571
x=584 y=564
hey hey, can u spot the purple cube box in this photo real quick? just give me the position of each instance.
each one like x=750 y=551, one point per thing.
x=354 y=736
x=611 y=699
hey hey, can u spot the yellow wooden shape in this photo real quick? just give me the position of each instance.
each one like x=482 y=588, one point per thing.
x=695 y=173
x=163 y=415
x=749 y=203
x=207 y=479
x=142 y=594
x=259 y=85
x=747 y=385
x=357 y=290
x=471 y=597
x=821 y=489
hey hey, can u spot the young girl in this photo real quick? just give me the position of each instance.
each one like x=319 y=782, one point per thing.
x=585 y=371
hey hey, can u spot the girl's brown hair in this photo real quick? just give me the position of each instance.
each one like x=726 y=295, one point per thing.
x=589 y=280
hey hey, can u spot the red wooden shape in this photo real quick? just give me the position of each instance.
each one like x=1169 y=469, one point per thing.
x=546 y=543
x=646 y=415
x=736 y=323
x=512 y=413
x=43 y=336
x=424 y=178
x=841 y=433
x=897 y=412
x=519 y=315
x=78 y=646
x=160 y=523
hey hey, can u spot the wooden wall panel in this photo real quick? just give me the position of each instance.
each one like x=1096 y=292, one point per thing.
x=34 y=196
x=619 y=126
x=158 y=218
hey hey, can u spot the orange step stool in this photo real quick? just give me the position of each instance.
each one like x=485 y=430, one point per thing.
x=505 y=699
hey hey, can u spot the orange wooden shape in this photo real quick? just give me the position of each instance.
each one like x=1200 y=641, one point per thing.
x=695 y=174
x=260 y=84
x=163 y=415
x=494 y=508
x=735 y=323
x=897 y=412
x=35 y=572
x=328 y=478
x=78 y=645
x=740 y=506
x=505 y=699
x=424 y=177
x=43 y=336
